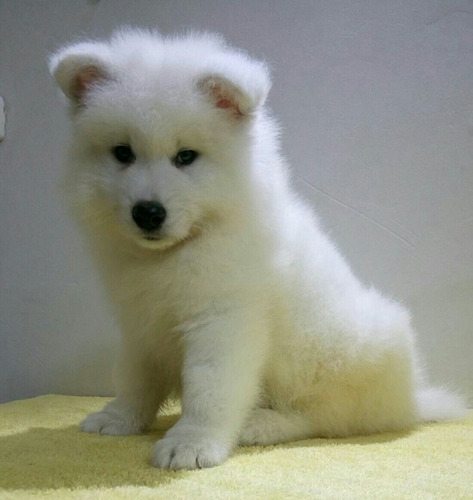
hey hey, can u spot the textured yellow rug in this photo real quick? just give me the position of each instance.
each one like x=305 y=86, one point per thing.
x=43 y=454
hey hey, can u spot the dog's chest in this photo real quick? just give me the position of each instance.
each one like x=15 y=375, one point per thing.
x=170 y=290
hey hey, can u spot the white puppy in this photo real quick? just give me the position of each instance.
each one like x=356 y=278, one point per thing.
x=228 y=293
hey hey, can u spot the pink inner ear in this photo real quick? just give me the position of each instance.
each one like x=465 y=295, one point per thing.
x=85 y=79
x=223 y=101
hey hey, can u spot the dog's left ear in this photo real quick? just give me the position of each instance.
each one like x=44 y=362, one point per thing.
x=240 y=88
x=78 y=68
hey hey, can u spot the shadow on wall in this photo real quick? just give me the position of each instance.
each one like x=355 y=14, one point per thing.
x=88 y=373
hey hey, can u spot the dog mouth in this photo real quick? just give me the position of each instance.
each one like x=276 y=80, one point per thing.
x=152 y=240
x=151 y=237
x=158 y=240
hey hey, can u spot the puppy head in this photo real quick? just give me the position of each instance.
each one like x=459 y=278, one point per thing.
x=162 y=132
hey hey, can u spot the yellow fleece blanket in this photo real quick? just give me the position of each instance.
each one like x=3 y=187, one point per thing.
x=43 y=454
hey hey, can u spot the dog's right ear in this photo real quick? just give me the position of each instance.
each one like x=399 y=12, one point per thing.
x=236 y=84
x=79 y=68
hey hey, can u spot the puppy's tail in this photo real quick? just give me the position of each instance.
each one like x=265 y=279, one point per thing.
x=435 y=404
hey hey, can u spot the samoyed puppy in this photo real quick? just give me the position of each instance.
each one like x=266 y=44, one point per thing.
x=228 y=293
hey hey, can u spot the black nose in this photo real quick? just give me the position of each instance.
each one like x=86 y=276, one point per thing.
x=148 y=215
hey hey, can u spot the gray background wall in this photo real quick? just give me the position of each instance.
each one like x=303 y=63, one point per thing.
x=376 y=100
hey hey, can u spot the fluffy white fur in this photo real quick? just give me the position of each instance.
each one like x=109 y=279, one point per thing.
x=239 y=303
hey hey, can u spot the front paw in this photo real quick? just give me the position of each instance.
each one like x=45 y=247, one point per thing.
x=111 y=422
x=189 y=447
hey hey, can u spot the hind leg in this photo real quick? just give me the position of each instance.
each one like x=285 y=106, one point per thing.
x=266 y=427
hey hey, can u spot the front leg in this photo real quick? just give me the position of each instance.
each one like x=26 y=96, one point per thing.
x=222 y=360
x=140 y=391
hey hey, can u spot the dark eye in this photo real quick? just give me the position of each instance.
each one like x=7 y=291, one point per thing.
x=124 y=154
x=185 y=157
